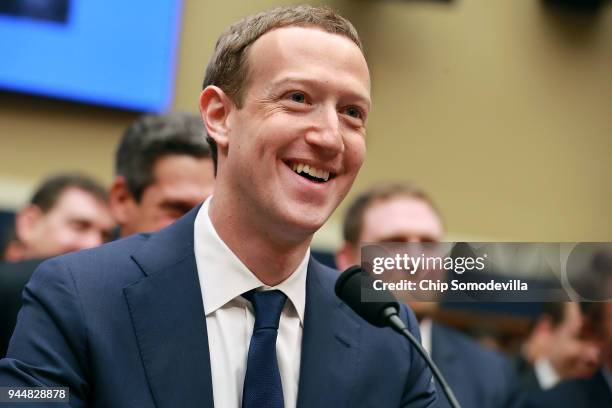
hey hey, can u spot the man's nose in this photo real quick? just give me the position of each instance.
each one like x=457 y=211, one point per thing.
x=325 y=134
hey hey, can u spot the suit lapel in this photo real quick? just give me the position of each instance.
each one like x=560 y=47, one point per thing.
x=168 y=319
x=330 y=346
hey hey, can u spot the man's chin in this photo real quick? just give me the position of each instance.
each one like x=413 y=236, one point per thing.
x=304 y=221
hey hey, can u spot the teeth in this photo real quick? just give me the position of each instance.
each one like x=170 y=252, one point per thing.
x=314 y=172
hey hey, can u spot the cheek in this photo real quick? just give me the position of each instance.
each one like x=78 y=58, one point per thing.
x=355 y=151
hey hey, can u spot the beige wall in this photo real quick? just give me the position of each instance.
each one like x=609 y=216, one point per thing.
x=501 y=109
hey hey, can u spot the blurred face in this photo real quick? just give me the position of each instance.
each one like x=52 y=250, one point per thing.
x=403 y=219
x=572 y=355
x=180 y=182
x=296 y=144
x=78 y=220
x=606 y=333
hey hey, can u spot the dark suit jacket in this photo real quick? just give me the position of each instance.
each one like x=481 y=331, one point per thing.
x=123 y=326
x=528 y=379
x=13 y=278
x=588 y=393
x=480 y=378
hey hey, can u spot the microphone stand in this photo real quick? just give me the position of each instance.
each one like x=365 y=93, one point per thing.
x=398 y=325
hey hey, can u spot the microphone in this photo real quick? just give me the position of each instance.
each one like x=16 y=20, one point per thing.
x=384 y=313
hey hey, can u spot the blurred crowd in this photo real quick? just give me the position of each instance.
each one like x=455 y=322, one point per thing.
x=163 y=168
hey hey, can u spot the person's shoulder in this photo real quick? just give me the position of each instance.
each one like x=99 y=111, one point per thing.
x=468 y=347
x=566 y=394
x=110 y=262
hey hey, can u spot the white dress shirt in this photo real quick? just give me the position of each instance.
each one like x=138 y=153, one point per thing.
x=546 y=374
x=230 y=318
x=607 y=374
x=425 y=327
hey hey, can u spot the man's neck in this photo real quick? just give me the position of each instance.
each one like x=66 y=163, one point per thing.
x=269 y=257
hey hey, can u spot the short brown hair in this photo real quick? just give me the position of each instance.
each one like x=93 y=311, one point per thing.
x=152 y=137
x=228 y=67
x=51 y=189
x=353 y=219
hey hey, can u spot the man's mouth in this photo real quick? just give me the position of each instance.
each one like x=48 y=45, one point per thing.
x=311 y=173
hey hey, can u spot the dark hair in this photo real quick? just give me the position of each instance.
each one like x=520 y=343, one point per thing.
x=152 y=137
x=228 y=68
x=49 y=192
x=557 y=311
x=353 y=219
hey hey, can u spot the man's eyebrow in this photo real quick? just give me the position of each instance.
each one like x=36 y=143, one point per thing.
x=365 y=99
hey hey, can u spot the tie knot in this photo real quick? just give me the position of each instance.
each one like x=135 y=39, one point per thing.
x=268 y=306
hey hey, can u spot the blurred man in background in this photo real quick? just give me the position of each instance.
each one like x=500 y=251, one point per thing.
x=592 y=392
x=556 y=349
x=68 y=212
x=163 y=169
x=402 y=213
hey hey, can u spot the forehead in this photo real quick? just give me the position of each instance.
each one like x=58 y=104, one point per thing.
x=75 y=202
x=183 y=174
x=400 y=216
x=309 y=52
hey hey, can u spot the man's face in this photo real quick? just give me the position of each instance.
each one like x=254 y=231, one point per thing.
x=180 y=182
x=606 y=333
x=572 y=355
x=403 y=219
x=306 y=102
x=78 y=220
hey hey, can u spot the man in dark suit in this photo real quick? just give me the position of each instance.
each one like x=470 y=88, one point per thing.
x=555 y=349
x=225 y=307
x=398 y=212
x=67 y=212
x=593 y=392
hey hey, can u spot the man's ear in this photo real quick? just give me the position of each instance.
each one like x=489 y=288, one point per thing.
x=121 y=201
x=25 y=222
x=347 y=256
x=215 y=108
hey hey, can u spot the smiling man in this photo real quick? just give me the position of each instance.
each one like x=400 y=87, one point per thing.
x=226 y=307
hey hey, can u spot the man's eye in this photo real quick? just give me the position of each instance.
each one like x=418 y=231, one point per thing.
x=298 y=97
x=354 y=112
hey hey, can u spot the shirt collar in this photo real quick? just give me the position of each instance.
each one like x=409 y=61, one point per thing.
x=425 y=327
x=607 y=375
x=223 y=277
x=545 y=373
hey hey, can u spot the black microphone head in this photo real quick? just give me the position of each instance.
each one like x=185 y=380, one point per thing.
x=348 y=288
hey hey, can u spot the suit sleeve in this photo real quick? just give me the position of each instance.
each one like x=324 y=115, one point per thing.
x=419 y=390
x=49 y=345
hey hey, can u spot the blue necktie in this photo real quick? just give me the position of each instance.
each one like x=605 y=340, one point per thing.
x=262 y=382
